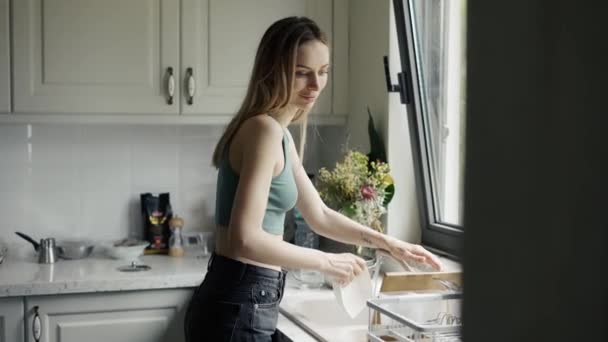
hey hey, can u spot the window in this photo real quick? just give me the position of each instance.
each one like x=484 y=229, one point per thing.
x=431 y=36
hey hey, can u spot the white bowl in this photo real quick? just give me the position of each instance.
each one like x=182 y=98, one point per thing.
x=126 y=252
x=353 y=297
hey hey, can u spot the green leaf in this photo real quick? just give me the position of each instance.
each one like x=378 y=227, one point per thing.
x=377 y=149
x=389 y=193
x=348 y=210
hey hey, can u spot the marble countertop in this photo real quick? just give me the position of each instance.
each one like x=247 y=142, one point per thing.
x=25 y=277
x=304 y=312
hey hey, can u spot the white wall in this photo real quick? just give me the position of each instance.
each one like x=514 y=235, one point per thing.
x=85 y=180
x=71 y=180
x=404 y=218
x=373 y=35
x=368 y=32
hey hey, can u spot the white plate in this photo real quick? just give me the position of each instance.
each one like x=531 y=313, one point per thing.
x=353 y=297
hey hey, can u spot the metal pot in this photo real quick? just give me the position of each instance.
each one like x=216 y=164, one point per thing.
x=68 y=249
x=74 y=249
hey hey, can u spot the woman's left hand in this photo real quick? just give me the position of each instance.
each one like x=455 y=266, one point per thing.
x=402 y=250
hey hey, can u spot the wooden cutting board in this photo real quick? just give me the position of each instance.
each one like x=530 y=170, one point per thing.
x=409 y=281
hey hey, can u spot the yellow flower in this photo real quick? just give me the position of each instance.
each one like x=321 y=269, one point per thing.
x=388 y=180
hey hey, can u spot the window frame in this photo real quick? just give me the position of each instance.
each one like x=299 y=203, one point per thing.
x=440 y=237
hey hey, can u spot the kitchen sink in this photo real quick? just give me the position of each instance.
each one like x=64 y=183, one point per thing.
x=318 y=312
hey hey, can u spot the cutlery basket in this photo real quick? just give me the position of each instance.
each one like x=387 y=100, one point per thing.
x=415 y=317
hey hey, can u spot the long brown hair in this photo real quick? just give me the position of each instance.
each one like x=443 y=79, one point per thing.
x=271 y=83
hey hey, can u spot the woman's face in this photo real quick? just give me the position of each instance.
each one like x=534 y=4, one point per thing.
x=312 y=67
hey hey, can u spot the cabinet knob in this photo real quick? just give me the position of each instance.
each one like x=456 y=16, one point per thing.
x=36 y=325
x=170 y=85
x=191 y=85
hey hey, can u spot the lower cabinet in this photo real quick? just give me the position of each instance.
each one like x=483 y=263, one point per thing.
x=11 y=319
x=133 y=316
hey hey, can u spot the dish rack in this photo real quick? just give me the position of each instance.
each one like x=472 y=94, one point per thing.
x=415 y=317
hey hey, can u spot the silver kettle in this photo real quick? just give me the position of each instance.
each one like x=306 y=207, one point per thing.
x=46 y=249
x=46 y=254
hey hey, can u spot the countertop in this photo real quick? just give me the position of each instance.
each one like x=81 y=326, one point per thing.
x=304 y=312
x=23 y=276
x=97 y=273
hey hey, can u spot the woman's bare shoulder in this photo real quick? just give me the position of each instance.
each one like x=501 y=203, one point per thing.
x=259 y=129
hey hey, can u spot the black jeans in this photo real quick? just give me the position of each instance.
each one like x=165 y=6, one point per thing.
x=235 y=302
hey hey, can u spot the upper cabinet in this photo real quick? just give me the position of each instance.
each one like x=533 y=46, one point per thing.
x=5 y=78
x=100 y=56
x=220 y=38
x=155 y=56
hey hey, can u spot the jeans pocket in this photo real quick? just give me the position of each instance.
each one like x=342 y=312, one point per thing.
x=266 y=295
x=212 y=321
x=266 y=300
x=265 y=318
x=227 y=320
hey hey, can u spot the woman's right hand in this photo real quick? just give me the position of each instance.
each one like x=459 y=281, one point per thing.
x=342 y=268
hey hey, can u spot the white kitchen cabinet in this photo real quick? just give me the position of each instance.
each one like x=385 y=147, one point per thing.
x=95 y=56
x=5 y=79
x=11 y=319
x=219 y=42
x=88 y=57
x=146 y=316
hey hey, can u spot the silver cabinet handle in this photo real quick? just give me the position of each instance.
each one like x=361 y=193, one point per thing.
x=191 y=85
x=170 y=85
x=36 y=325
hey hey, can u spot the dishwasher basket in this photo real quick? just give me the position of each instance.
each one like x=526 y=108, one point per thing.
x=416 y=317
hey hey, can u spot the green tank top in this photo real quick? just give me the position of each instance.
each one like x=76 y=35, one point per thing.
x=282 y=196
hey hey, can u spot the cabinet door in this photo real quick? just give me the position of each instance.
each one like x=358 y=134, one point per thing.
x=11 y=319
x=5 y=80
x=219 y=42
x=150 y=316
x=95 y=56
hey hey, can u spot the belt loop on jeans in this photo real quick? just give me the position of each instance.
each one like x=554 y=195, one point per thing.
x=210 y=261
x=242 y=270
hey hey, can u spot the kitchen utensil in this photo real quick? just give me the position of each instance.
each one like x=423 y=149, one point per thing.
x=353 y=297
x=421 y=282
x=125 y=249
x=47 y=253
x=45 y=249
x=66 y=249
x=74 y=249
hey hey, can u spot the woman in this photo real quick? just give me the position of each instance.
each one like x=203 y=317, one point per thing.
x=260 y=177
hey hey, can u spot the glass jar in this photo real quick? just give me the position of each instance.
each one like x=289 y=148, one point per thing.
x=176 y=242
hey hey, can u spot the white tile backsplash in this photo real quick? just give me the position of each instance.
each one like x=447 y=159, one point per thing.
x=85 y=180
x=69 y=180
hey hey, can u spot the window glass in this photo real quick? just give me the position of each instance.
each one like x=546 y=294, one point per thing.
x=432 y=46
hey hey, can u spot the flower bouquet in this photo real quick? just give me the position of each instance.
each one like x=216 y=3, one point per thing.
x=357 y=190
x=360 y=186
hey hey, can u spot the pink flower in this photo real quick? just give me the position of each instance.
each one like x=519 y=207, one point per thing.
x=367 y=192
